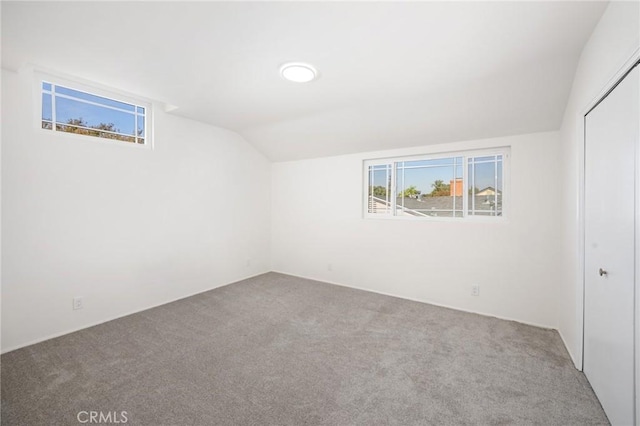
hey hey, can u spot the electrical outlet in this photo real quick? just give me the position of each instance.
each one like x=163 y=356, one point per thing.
x=248 y=263
x=77 y=303
x=475 y=290
x=329 y=267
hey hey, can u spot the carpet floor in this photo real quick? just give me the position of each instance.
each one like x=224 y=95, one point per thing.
x=281 y=350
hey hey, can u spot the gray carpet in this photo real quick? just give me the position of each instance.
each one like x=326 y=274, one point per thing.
x=280 y=350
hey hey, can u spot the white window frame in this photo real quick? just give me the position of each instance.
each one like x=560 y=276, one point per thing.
x=92 y=89
x=466 y=154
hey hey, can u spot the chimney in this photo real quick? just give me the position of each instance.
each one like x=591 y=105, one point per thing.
x=455 y=187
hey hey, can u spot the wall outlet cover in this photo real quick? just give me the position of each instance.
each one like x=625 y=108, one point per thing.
x=77 y=303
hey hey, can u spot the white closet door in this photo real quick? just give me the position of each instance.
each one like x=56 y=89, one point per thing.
x=611 y=141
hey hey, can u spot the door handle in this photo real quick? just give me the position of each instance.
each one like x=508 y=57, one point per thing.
x=602 y=272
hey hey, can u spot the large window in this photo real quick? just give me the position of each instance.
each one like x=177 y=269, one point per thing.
x=456 y=185
x=74 y=111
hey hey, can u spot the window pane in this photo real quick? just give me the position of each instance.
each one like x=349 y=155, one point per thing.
x=429 y=187
x=93 y=98
x=141 y=126
x=79 y=114
x=46 y=107
x=379 y=192
x=46 y=86
x=429 y=163
x=499 y=171
x=489 y=158
x=485 y=189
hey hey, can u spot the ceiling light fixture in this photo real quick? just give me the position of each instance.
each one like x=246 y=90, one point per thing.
x=298 y=72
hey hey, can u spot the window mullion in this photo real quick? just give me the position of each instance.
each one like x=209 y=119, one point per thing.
x=495 y=185
x=392 y=190
x=465 y=186
x=473 y=186
x=452 y=188
x=370 y=189
x=402 y=188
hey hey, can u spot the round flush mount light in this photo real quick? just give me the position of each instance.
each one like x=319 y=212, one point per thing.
x=298 y=72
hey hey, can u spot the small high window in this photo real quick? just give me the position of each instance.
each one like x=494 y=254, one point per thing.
x=74 y=111
x=456 y=185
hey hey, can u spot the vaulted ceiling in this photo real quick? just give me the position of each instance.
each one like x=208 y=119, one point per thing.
x=392 y=74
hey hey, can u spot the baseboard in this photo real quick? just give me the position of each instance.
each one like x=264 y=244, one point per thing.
x=485 y=314
x=573 y=358
x=73 y=330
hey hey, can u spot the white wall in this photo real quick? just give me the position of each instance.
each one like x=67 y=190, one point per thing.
x=612 y=43
x=317 y=220
x=125 y=228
